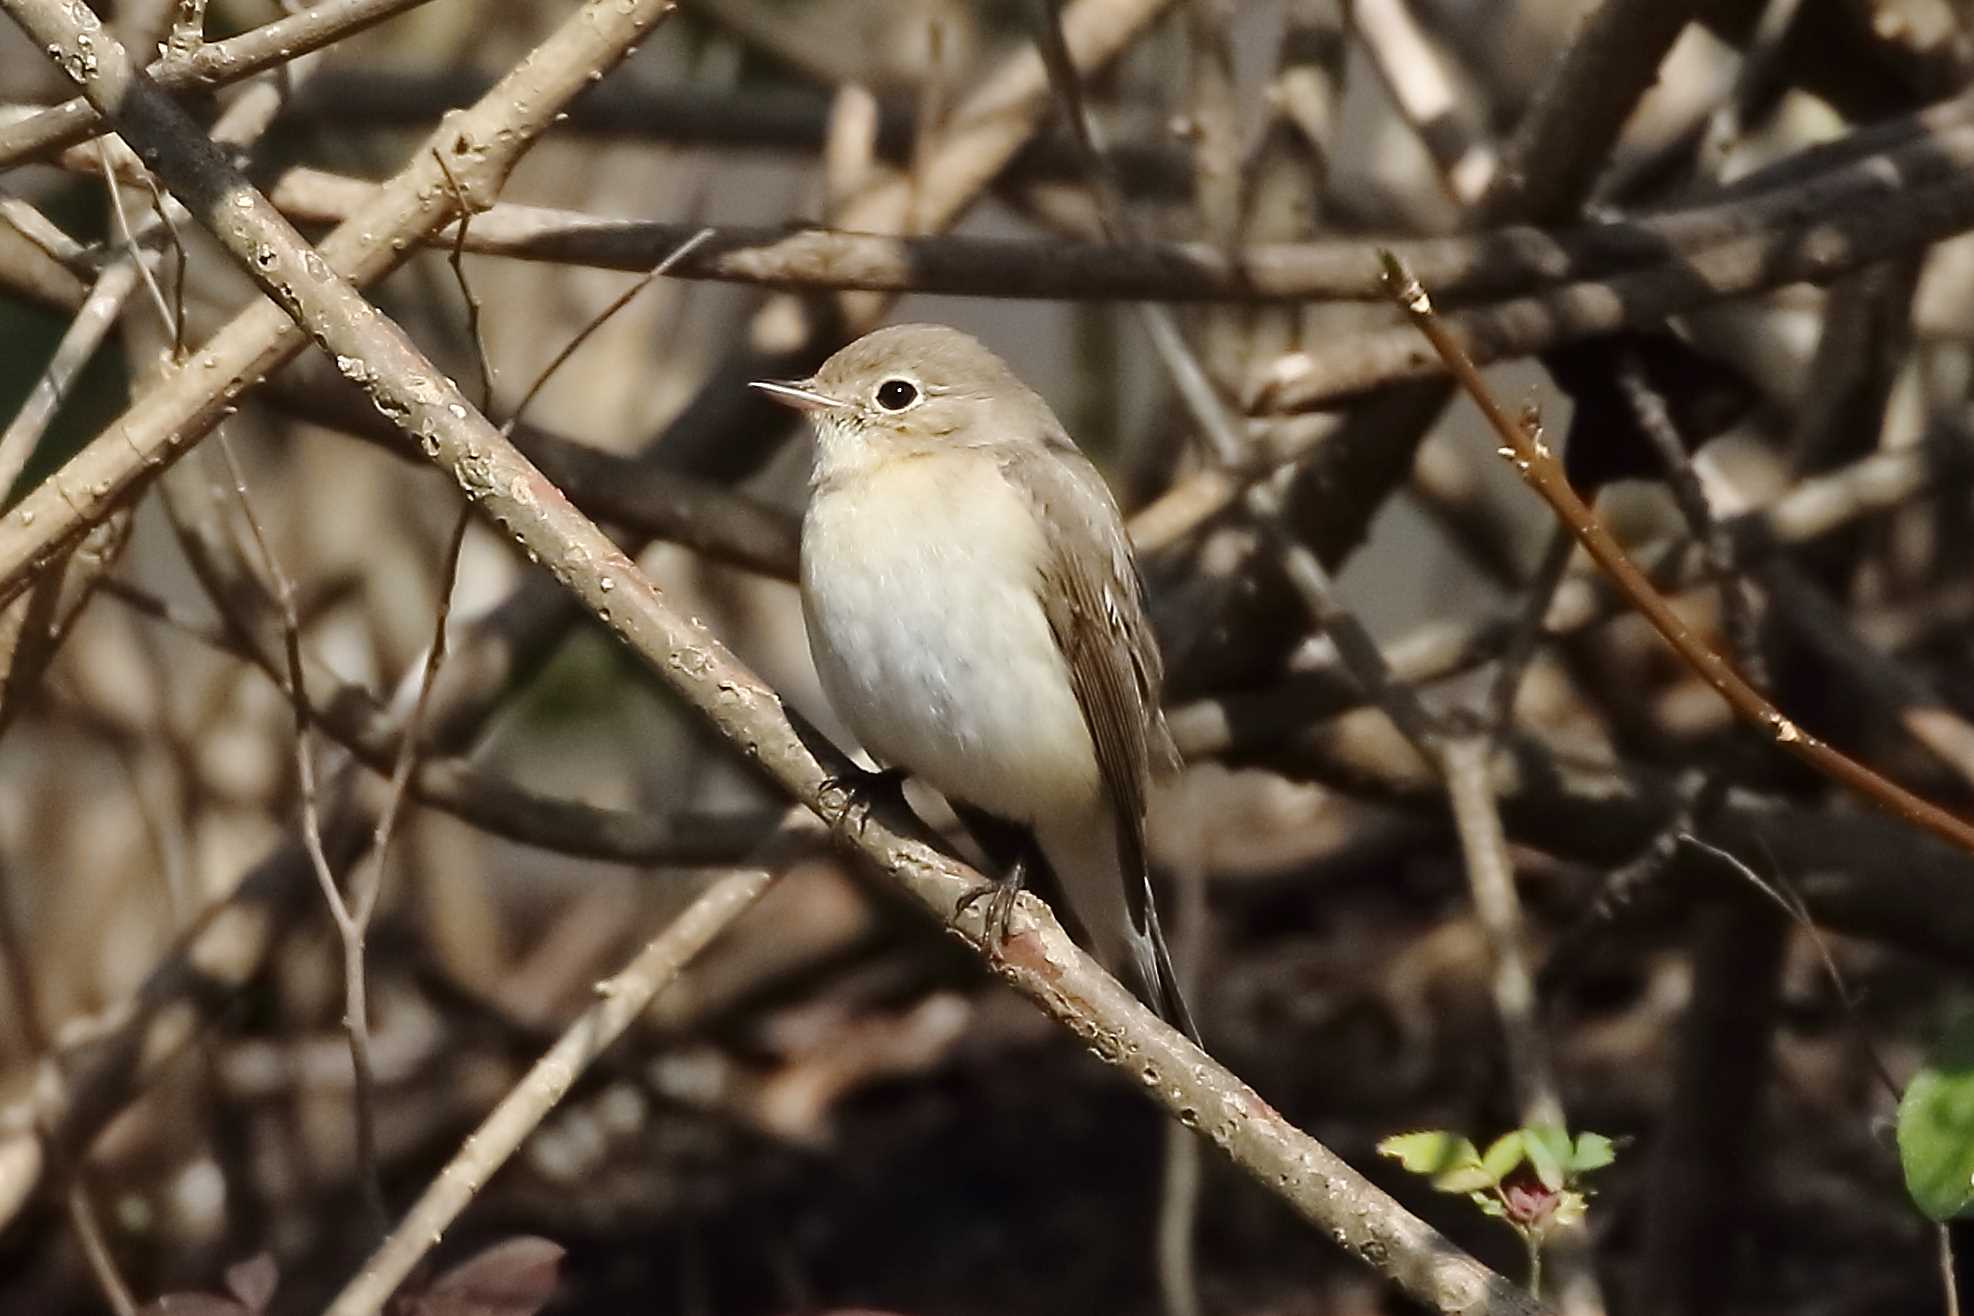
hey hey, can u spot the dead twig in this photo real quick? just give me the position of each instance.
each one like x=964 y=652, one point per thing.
x=1539 y=468
x=621 y=999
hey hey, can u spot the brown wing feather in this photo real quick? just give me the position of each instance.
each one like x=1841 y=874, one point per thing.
x=1094 y=600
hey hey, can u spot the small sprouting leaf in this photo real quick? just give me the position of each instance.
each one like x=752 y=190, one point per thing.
x=1489 y=1204
x=1451 y=1161
x=1593 y=1151
x=1936 y=1127
x=1463 y=1179
x=1548 y=1148
x=1429 y=1151
x=1570 y=1209
x=1503 y=1155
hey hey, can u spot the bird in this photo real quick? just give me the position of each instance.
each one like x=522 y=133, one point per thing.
x=977 y=619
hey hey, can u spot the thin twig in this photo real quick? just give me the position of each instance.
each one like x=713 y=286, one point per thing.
x=1525 y=637
x=621 y=999
x=1182 y=1175
x=1787 y=899
x=475 y=328
x=134 y=253
x=351 y=919
x=601 y=318
x=1491 y=879
x=1949 y=1282
x=1465 y=763
x=1177 y=1240
x=408 y=758
x=79 y=343
x=96 y=1250
x=368 y=888
x=1543 y=473
x=472 y=793
x=1649 y=409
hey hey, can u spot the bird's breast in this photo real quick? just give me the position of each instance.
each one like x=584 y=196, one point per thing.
x=919 y=589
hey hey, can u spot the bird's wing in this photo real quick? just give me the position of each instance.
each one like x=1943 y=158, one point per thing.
x=1094 y=600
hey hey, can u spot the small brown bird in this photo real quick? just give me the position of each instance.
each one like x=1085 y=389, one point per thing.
x=977 y=618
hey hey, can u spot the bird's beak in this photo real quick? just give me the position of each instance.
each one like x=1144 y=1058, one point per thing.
x=795 y=393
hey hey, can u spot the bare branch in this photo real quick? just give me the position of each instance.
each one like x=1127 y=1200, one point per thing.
x=212 y=64
x=621 y=999
x=744 y=710
x=1775 y=209
x=482 y=144
x=1539 y=468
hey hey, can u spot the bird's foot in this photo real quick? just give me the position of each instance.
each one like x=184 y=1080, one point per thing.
x=857 y=793
x=1000 y=897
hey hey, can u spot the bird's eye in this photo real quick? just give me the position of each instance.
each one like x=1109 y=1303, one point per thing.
x=896 y=394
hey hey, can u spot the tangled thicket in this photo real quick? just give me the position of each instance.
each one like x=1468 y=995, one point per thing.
x=293 y=902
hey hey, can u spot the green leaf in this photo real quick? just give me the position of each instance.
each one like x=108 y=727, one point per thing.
x=1489 y=1205
x=1429 y=1151
x=1936 y=1127
x=1463 y=1179
x=1593 y=1151
x=1452 y=1161
x=1548 y=1148
x=1503 y=1155
x=1570 y=1209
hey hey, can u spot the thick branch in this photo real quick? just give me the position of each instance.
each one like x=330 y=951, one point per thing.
x=722 y=431
x=1042 y=962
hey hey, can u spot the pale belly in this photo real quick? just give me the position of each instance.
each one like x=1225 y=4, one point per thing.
x=930 y=643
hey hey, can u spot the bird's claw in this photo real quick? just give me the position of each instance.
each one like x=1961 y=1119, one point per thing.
x=1001 y=898
x=859 y=792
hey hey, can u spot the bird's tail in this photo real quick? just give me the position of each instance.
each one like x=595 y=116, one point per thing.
x=1161 y=990
x=1119 y=923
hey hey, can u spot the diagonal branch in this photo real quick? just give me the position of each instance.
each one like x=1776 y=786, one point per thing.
x=720 y=432
x=621 y=999
x=1540 y=469
x=481 y=146
x=1041 y=961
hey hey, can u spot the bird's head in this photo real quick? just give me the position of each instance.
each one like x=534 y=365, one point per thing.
x=908 y=389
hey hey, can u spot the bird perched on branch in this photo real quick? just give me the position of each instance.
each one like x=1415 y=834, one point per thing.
x=977 y=619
